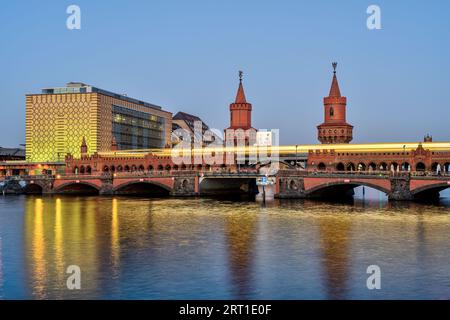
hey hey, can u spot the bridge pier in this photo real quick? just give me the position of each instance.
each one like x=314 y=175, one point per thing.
x=400 y=189
x=185 y=184
x=107 y=187
x=290 y=186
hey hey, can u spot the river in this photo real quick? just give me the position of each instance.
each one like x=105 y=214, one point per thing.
x=199 y=248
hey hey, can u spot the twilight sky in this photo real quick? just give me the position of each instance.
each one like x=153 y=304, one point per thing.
x=185 y=56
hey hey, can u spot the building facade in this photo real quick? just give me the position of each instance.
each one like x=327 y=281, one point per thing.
x=418 y=159
x=58 y=119
x=188 y=125
x=335 y=128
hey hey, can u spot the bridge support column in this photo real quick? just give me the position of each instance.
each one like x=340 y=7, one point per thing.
x=290 y=187
x=400 y=189
x=185 y=185
x=107 y=187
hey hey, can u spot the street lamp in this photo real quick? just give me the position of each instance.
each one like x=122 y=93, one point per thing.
x=296 y=156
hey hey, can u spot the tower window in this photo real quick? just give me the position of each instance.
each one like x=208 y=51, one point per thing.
x=331 y=112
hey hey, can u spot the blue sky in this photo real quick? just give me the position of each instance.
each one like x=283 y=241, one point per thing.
x=185 y=55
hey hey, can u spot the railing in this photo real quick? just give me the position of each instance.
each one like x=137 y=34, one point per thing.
x=380 y=173
x=355 y=173
x=230 y=174
x=226 y=173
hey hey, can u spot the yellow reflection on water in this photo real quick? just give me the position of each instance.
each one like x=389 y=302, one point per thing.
x=240 y=231
x=59 y=244
x=115 y=237
x=334 y=234
x=38 y=249
x=163 y=242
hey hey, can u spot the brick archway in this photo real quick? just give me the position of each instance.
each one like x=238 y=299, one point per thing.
x=78 y=187
x=33 y=188
x=146 y=182
x=436 y=187
x=328 y=186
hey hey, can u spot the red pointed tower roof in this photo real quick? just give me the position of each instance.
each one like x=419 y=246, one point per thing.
x=240 y=96
x=241 y=110
x=334 y=90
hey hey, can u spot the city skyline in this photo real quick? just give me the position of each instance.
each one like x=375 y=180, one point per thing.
x=383 y=73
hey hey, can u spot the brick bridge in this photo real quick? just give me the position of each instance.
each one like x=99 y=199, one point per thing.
x=289 y=183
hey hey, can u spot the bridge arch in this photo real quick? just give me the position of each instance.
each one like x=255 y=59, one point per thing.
x=342 y=188
x=405 y=166
x=361 y=166
x=436 y=165
x=430 y=191
x=382 y=166
x=33 y=188
x=350 y=166
x=148 y=188
x=420 y=166
x=372 y=166
x=82 y=187
x=340 y=167
x=322 y=166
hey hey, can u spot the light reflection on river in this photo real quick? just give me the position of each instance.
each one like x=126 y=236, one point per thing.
x=215 y=249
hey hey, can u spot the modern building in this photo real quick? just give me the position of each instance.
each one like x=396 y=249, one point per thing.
x=58 y=119
x=335 y=128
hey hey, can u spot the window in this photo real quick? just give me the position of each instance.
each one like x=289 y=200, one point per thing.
x=137 y=130
x=331 y=112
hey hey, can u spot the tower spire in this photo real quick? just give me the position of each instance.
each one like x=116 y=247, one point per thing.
x=335 y=128
x=240 y=96
x=83 y=147
x=240 y=109
x=334 y=90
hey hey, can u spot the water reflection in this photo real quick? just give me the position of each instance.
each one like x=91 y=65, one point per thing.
x=334 y=242
x=240 y=232
x=206 y=248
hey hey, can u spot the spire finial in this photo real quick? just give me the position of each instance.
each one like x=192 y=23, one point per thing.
x=334 y=64
x=241 y=75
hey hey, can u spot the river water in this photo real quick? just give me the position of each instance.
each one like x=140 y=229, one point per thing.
x=138 y=248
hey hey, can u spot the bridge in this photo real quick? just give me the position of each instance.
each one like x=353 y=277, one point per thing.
x=288 y=183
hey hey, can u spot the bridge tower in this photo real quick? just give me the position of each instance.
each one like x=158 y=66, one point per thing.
x=335 y=128
x=240 y=129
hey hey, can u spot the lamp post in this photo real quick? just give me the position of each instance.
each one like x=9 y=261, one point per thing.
x=296 y=156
